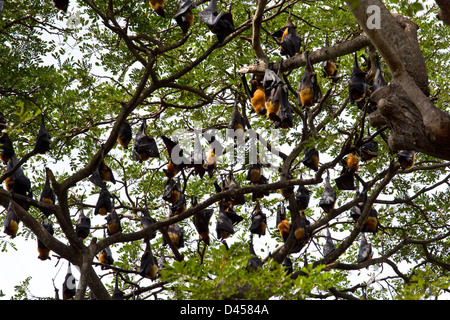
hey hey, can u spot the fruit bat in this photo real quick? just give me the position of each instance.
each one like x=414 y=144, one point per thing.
x=236 y=125
x=260 y=194
x=146 y=222
x=11 y=222
x=378 y=81
x=365 y=250
x=6 y=148
x=283 y=224
x=371 y=223
x=329 y=66
x=102 y=173
x=113 y=223
x=41 y=247
x=311 y=159
x=285 y=114
x=198 y=157
x=287 y=264
x=201 y=221
x=214 y=150
x=357 y=85
x=308 y=88
x=125 y=134
x=184 y=16
x=176 y=159
x=254 y=172
x=19 y=183
x=232 y=184
x=145 y=147
x=231 y=213
x=61 y=5
x=69 y=285
x=105 y=255
x=273 y=88
x=259 y=221
x=83 y=225
x=300 y=224
x=47 y=194
x=179 y=206
x=346 y=181
x=353 y=162
x=286 y=192
x=224 y=225
x=117 y=294
x=369 y=150
x=176 y=235
x=254 y=263
x=104 y=204
x=149 y=265
x=328 y=198
x=290 y=41
x=356 y=210
x=42 y=144
x=256 y=95
x=172 y=191
x=302 y=197
x=406 y=158
x=221 y=24
x=329 y=246
x=158 y=6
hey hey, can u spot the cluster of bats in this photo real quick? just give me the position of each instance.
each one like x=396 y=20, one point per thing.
x=268 y=96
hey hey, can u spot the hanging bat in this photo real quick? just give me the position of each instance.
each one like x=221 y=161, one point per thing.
x=286 y=192
x=285 y=114
x=146 y=222
x=47 y=194
x=308 y=88
x=102 y=173
x=300 y=224
x=221 y=24
x=328 y=198
x=172 y=191
x=287 y=264
x=83 y=225
x=176 y=235
x=329 y=66
x=176 y=159
x=406 y=158
x=113 y=223
x=256 y=95
x=214 y=151
x=271 y=83
x=329 y=246
x=371 y=223
x=236 y=125
x=42 y=144
x=378 y=81
x=346 y=181
x=69 y=285
x=311 y=159
x=117 y=294
x=353 y=162
x=259 y=221
x=105 y=255
x=145 y=147
x=179 y=206
x=356 y=210
x=357 y=85
x=11 y=222
x=198 y=157
x=254 y=172
x=201 y=221
x=283 y=224
x=231 y=213
x=61 y=5
x=19 y=183
x=365 y=250
x=260 y=194
x=369 y=150
x=224 y=225
x=232 y=184
x=6 y=148
x=302 y=197
x=184 y=16
x=290 y=41
x=254 y=263
x=43 y=251
x=125 y=134
x=104 y=204
x=149 y=265
x=158 y=7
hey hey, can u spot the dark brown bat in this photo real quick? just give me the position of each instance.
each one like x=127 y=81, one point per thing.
x=172 y=190
x=271 y=84
x=328 y=198
x=302 y=197
x=6 y=148
x=285 y=114
x=177 y=161
x=146 y=222
x=104 y=204
x=300 y=224
x=308 y=89
x=329 y=66
x=369 y=150
x=179 y=206
x=232 y=184
x=69 y=285
x=201 y=221
x=346 y=181
x=221 y=24
x=42 y=144
x=184 y=16
x=20 y=183
x=283 y=224
x=145 y=147
x=254 y=172
x=236 y=125
x=47 y=194
x=113 y=223
x=44 y=252
x=371 y=223
x=255 y=262
x=311 y=159
x=357 y=85
x=256 y=94
x=198 y=157
x=125 y=135
x=286 y=192
x=224 y=225
x=83 y=225
x=290 y=41
x=406 y=158
x=149 y=265
x=378 y=81
x=11 y=222
x=158 y=6
x=259 y=221
x=288 y=266
x=365 y=250
x=61 y=5
x=329 y=246
x=176 y=235
x=260 y=194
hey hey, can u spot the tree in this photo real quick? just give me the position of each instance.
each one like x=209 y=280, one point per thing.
x=86 y=72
